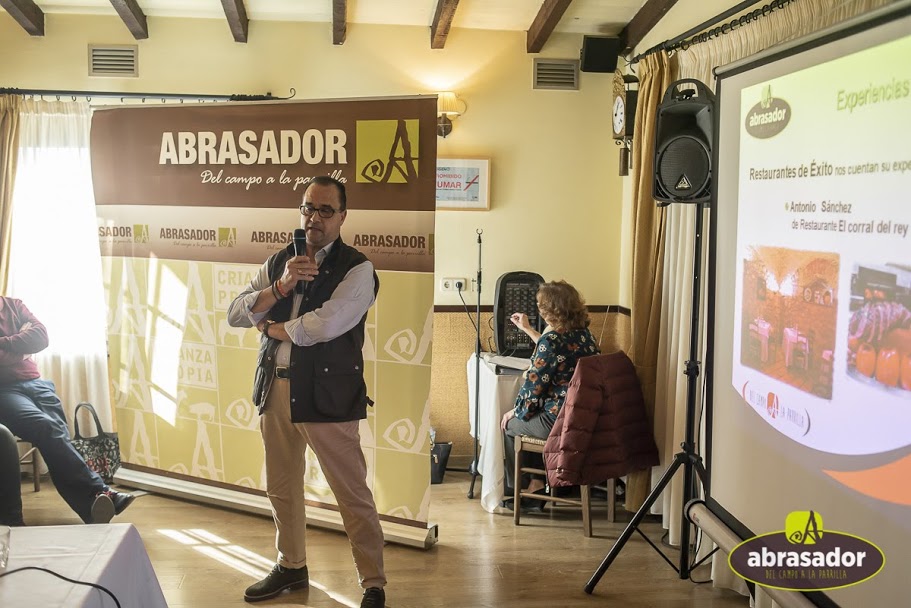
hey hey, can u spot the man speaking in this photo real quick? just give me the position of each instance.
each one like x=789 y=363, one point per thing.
x=311 y=307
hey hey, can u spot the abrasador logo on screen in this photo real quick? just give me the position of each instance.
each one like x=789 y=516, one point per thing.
x=769 y=117
x=805 y=557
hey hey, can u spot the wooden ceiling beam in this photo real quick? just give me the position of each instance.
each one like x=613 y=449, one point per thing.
x=339 y=21
x=133 y=18
x=27 y=14
x=236 y=14
x=442 y=20
x=543 y=26
x=647 y=18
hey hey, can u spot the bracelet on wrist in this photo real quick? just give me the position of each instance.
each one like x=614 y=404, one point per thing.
x=278 y=288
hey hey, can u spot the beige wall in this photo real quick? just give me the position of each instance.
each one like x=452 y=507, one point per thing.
x=555 y=191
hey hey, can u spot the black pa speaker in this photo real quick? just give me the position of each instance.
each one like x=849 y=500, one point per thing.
x=683 y=144
x=599 y=53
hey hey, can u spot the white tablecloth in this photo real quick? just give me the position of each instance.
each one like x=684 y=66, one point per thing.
x=793 y=340
x=497 y=395
x=111 y=555
x=761 y=329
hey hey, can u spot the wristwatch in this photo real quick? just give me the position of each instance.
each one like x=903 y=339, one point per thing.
x=266 y=325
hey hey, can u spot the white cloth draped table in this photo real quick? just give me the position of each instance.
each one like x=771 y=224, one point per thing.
x=497 y=396
x=793 y=340
x=110 y=555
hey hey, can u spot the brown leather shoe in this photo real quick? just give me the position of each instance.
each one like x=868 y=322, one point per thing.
x=278 y=580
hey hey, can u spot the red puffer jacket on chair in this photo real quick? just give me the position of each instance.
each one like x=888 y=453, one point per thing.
x=602 y=431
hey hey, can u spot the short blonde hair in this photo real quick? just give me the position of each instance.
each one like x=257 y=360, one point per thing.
x=563 y=305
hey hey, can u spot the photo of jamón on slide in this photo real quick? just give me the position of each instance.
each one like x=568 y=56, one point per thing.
x=879 y=332
x=790 y=308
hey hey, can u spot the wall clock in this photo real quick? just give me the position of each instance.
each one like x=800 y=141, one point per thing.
x=623 y=108
x=623 y=113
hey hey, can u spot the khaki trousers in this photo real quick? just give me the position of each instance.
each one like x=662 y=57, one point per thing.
x=337 y=445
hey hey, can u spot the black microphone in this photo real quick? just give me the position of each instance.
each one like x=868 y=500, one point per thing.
x=300 y=248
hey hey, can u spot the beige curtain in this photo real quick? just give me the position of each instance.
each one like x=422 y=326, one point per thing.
x=9 y=149
x=54 y=141
x=657 y=71
x=795 y=20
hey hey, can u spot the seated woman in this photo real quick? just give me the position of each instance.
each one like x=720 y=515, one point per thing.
x=565 y=340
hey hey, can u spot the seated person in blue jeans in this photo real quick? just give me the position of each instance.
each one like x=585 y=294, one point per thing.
x=565 y=340
x=30 y=408
x=10 y=485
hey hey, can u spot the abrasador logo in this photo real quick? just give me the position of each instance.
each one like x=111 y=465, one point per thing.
x=139 y=233
x=805 y=557
x=769 y=117
x=227 y=236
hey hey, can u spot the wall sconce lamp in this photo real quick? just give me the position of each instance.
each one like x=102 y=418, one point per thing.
x=448 y=107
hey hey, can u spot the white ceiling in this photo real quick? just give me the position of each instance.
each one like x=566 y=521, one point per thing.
x=582 y=17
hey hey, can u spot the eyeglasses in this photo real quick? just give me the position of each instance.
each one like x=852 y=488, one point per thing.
x=324 y=212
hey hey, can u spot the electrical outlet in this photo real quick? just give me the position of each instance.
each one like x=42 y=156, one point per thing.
x=453 y=284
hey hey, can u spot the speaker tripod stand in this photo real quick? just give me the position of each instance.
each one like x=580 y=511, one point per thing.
x=687 y=458
x=473 y=467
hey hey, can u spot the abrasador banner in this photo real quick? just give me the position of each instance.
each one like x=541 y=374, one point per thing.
x=191 y=200
x=257 y=159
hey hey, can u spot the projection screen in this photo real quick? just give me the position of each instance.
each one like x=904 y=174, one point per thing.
x=809 y=365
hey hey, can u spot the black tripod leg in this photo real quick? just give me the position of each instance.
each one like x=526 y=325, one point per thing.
x=634 y=523
x=701 y=472
x=473 y=469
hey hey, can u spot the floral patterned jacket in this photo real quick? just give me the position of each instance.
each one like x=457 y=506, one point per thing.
x=552 y=366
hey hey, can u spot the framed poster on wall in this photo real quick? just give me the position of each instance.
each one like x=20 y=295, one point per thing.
x=463 y=184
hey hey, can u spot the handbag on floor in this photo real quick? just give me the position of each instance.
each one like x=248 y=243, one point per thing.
x=102 y=451
x=439 y=458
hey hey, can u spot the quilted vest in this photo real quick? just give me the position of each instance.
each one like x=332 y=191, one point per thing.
x=327 y=378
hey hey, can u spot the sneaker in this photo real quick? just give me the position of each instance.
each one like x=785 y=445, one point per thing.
x=278 y=580
x=102 y=509
x=374 y=597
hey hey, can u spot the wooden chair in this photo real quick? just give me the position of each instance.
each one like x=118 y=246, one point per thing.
x=823 y=386
x=755 y=346
x=30 y=457
x=773 y=341
x=525 y=443
x=606 y=395
x=800 y=355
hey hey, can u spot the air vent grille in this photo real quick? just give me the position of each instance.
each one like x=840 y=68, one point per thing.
x=113 y=60
x=557 y=74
